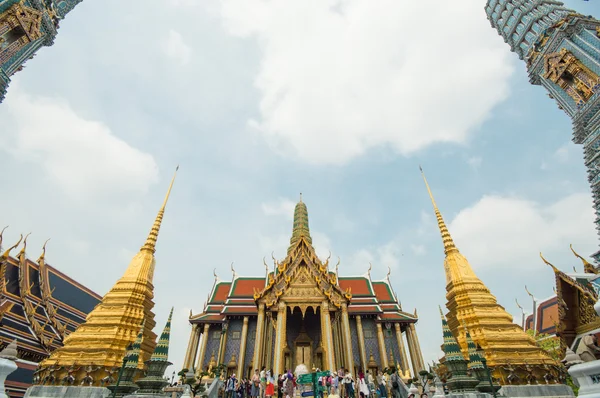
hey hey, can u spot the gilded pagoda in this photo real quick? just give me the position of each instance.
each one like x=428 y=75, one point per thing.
x=93 y=353
x=512 y=354
x=303 y=312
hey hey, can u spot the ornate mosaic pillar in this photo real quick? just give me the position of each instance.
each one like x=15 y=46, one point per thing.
x=200 y=360
x=222 y=344
x=327 y=337
x=361 y=343
x=260 y=324
x=413 y=349
x=190 y=353
x=280 y=338
x=347 y=339
x=242 y=358
x=382 y=351
x=404 y=360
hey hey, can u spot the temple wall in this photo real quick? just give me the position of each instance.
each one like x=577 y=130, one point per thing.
x=391 y=344
x=212 y=345
x=370 y=333
x=234 y=339
x=354 y=337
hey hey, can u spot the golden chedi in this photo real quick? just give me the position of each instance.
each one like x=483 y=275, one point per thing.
x=514 y=356
x=96 y=349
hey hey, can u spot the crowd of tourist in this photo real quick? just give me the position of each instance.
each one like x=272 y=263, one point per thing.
x=340 y=383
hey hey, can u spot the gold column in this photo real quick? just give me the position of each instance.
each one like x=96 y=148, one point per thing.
x=200 y=360
x=361 y=343
x=327 y=337
x=260 y=323
x=222 y=347
x=417 y=347
x=188 y=361
x=382 y=351
x=404 y=360
x=280 y=338
x=347 y=339
x=242 y=356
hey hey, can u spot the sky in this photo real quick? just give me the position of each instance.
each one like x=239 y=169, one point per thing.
x=260 y=100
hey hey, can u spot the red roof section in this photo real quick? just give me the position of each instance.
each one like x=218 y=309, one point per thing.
x=359 y=285
x=382 y=291
x=244 y=287
x=363 y=309
x=221 y=292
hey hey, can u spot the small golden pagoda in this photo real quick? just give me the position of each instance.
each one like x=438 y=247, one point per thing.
x=513 y=355
x=98 y=346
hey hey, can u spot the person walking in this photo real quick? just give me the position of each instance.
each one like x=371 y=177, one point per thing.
x=398 y=389
x=342 y=382
x=381 y=381
x=270 y=387
x=335 y=384
x=348 y=384
x=263 y=381
x=363 y=388
x=288 y=386
x=255 y=387
x=231 y=384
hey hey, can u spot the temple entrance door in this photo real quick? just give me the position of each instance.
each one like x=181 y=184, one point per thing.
x=304 y=354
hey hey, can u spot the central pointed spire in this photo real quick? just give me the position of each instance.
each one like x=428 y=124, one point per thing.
x=150 y=244
x=300 y=224
x=446 y=238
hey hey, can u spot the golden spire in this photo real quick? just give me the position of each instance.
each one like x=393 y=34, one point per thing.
x=153 y=235
x=7 y=252
x=446 y=238
x=587 y=267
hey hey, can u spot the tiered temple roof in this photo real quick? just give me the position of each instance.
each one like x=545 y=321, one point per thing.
x=235 y=297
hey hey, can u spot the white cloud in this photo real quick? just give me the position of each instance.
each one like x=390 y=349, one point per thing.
x=281 y=207
x=175 y=47
x=510 y=232
x=380 y=257
x=338 y=77
x=562 y=153
x=82 y=156
x=418 y=250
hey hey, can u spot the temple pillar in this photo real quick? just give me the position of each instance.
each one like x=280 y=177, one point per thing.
x=280 y=338
x=188 y=361
x=415 y=339
x=382 y=351
x=415 y=359
x=200 y=360
x=347 y=339
x=403 y=359
x=242 y=354
x=361 y=343
x=260 y=323
x=327 y=337
x=222 y=345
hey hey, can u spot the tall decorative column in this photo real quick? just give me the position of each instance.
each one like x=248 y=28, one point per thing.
x=404 y=360
x=188 y=361
x=361 y=343
x=242 y=356
x=223 y=344
x=415 y=338
x=382 y=351
x=260 y=324
x=412 y=348
x=327 y=337
x=347 y=339
x=280 y=338
x=200 y=360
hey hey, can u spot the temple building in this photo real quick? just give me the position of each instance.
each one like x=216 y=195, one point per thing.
x=39 y=307
x=576 y=294
x=25 y=27
x=561 y=49
x=513 y=355
x=92 y=355
x=303 y=312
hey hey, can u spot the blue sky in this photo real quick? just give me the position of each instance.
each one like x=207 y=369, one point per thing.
x=259 y=101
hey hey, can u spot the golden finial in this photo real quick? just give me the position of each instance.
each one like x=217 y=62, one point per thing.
x=300 y=197
x=446 y=238
x=529 y=293
x=337 y=267
x=215 y=273
x=587 y=267
x=43 y=255
x=7 y=252
x=233 y=270
x=388 y=273
x=441 y=312
x=518 y=305
x=150 y=244
x=1 y=235
x=548 y=263
x=24 y=245
x=370 y=268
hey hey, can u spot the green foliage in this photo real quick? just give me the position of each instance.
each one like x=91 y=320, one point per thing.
x=548 y=343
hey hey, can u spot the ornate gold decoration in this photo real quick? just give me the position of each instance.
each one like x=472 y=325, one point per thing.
x=46 y=294
x=470 y=302
x=19 y=25
x=115 y=322
x=587 y=267
x=568 y=72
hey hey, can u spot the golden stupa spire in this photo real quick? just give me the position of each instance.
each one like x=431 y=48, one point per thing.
x=471 y=303
x=446 y=238
x=113 y=324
